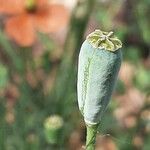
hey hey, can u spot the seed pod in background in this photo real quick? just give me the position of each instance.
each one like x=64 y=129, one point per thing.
x=98 y=66
x=52 y=128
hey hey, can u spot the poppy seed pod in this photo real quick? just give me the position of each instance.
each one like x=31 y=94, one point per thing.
x=99 y=62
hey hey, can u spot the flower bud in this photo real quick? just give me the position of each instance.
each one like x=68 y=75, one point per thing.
x=98 y=66
x=52 y=128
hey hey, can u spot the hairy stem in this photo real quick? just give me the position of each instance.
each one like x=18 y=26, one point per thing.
x=91 y=137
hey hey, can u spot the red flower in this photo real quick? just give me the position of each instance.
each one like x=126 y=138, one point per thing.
x=27 y=16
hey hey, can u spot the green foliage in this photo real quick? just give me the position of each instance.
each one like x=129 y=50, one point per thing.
x=3 y=76
x=132 y=54
x=142 y=79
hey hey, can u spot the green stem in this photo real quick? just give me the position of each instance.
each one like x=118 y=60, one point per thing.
x=91 y=137
x=10 y=51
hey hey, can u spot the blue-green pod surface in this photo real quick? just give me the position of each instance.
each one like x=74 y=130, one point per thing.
x=98 y=66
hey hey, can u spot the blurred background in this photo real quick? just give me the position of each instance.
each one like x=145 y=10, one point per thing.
x=39 y=45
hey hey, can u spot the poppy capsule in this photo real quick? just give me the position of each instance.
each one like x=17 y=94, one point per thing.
x=99 y=62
